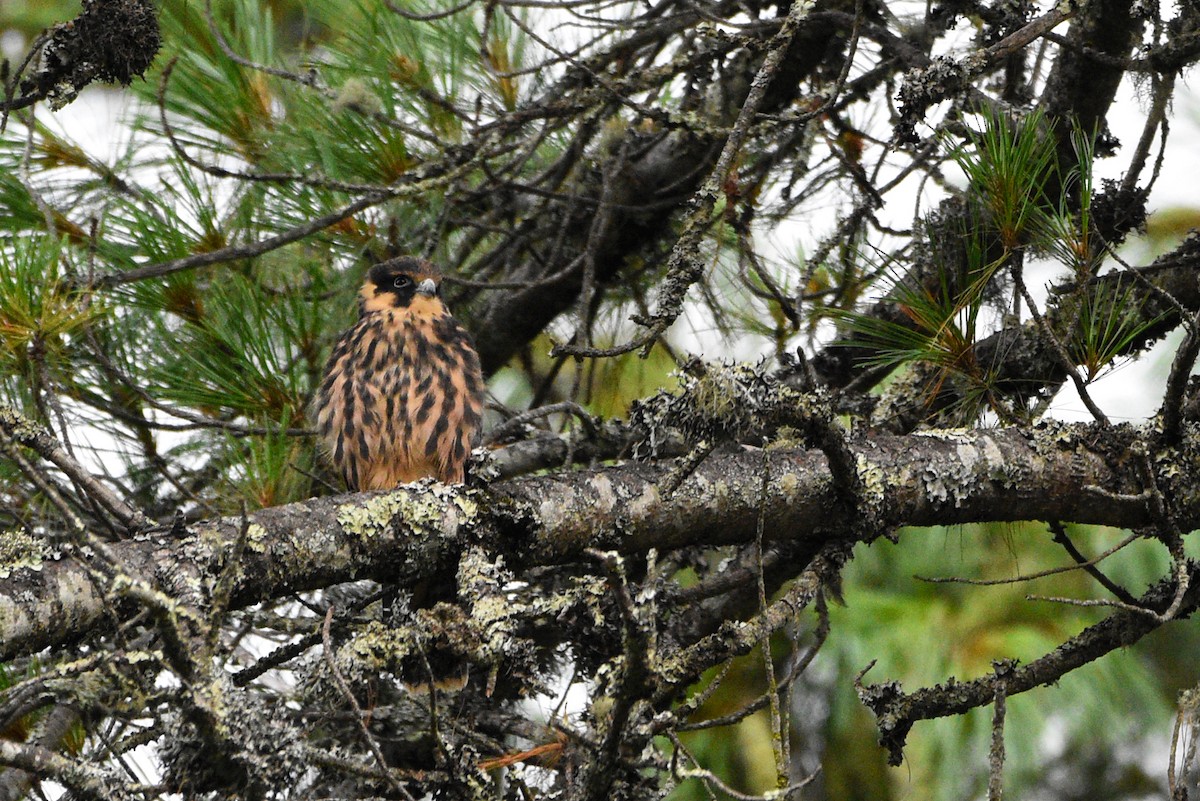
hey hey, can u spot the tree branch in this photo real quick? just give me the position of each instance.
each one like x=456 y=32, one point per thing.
x=415 y=532
x=896 y=712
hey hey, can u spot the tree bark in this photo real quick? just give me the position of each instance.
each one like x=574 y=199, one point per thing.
x=1069 y=473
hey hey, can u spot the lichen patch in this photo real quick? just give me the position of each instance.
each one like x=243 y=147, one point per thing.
x=21 y=551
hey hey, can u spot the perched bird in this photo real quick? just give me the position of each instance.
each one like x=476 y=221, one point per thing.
x=402 y=395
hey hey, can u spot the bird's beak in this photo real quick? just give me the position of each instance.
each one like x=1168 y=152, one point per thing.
x=427 y=288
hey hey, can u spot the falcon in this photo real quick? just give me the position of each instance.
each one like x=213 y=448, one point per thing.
x=402 y=395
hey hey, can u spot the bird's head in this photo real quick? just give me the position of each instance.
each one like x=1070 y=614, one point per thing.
x=403 y=283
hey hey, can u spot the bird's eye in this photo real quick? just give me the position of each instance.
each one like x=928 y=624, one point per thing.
x=401 y=281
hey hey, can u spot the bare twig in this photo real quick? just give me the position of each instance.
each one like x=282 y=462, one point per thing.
x=1171 y=410
x=1089 y=565
x=996 y=753
x=780 y=725
x=27 y=433
x=1056 y=344
x=896 y=711
x=690 y=662
x=683 y=265
x=709 y=778
x=515 y=423
x=359 y=716
x=799 y=665
x=1187 y=722
x=1082 y=563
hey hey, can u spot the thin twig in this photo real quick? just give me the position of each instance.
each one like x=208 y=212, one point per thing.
x=799 y=666
x=683 y=264
x=708 y=777
x=996 y=753
x=1060 y=351
x=286 y=653
x=1089 y=565
x=12 y=103
x=779 y=726
x=359 y=716
x=515 y=423
x=1160 y=100
x=1053 y=571
x=1171 y=411
x=27 y=433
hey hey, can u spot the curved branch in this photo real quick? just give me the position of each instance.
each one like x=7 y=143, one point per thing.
x=896 y=712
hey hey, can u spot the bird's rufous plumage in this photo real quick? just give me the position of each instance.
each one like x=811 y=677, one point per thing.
x=402 y=395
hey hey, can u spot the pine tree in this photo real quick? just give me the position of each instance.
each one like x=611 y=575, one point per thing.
x=847 y=533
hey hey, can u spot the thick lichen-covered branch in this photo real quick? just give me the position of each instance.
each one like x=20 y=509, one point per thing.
x=415 y=533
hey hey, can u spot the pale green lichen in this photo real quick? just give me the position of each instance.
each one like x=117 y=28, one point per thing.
x=209 y=538
x=375 y=646
x=373 y=517
x=872 y=482
x=422 y=510
x=493 y=612
x=1175 y=466
x=21 y=551
x=979 y=459
x=722 y=402
x=467 y=505
x=720 y=492
x=952 y=482
x=496 y=616
x=19 y=427
x=956 y=435
x=256 y=538
x=588 y=592
x=1052 y=436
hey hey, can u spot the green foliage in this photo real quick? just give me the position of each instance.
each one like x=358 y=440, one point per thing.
x=1007 y=165
x=890 y=617
x=404 y=66
x=180 y=216
x=1069 y=236
x=942 y=320
x=241 y=349
x=267 y=470
x=1110 y=318
x=223 y=103
x=41 y=319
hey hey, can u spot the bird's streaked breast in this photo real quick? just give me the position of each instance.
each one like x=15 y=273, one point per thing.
x=402 y=398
